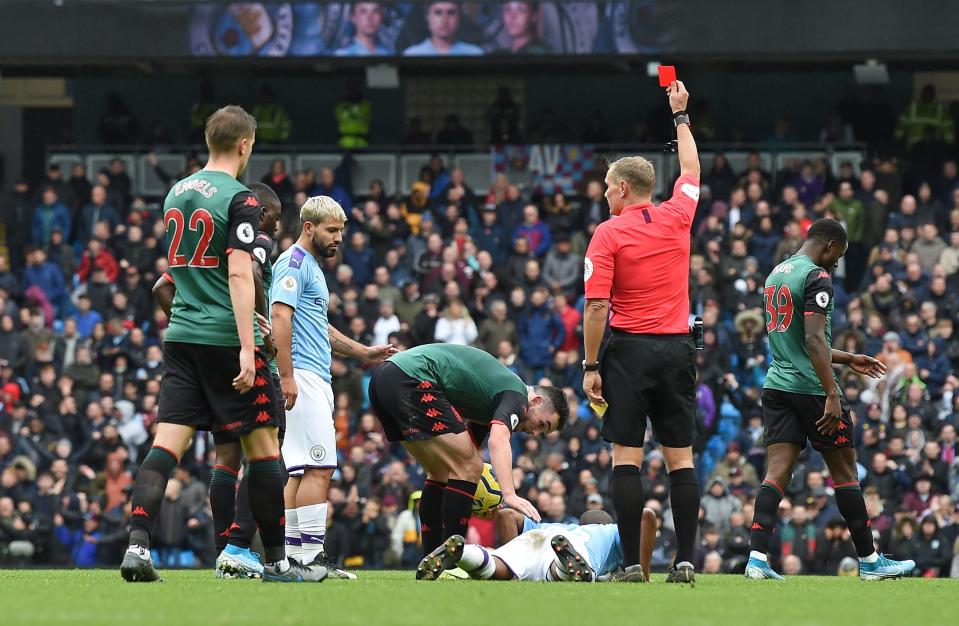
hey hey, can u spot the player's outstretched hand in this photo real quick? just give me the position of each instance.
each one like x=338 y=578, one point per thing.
x=244 y=380
x=377 y=354
x=522 y=505
x=829 y=422
x=288 y=387
x=867 y=365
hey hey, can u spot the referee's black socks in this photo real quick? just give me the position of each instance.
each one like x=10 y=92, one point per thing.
x=148 y=493
x=684 y=502
x=628 y=500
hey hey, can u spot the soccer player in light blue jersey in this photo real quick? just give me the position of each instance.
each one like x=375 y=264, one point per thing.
x=305 y=343
x=543 y=552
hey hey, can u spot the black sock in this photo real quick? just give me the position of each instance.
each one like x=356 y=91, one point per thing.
x=148 y=493
x=627 y=487
x=684 y=501
x=244 y=526
x=431 y=515
x=457 y=507
x=764 y=516
x=266 y=501
x=853 y=509
x=222 y=502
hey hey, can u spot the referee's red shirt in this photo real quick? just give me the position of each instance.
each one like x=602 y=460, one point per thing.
x=640 y=262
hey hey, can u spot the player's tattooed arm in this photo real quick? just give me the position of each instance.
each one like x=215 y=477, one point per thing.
x=346 y=347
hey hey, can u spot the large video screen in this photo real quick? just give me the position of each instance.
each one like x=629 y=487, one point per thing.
x=426 y=29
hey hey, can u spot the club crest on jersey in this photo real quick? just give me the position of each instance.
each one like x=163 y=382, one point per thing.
x=587 y=269
x=822 y=299
x=289 y=283
x=317 y=453
x=245 y=233
x=260 y=255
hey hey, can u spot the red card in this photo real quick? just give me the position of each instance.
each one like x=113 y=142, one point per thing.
x=667 y=74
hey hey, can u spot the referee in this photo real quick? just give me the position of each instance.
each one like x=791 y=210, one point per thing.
x=640 y=262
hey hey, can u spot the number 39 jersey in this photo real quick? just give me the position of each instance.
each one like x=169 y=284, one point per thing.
x=207 y=215
x=797 y=287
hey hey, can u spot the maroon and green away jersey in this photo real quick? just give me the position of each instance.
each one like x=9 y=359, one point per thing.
x=797 y=287
x=207 y=215
x=481 y=388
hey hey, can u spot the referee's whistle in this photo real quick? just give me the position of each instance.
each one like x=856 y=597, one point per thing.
x=600 y=409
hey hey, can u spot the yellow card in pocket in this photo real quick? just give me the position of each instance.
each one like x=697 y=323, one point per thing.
x=599 y=408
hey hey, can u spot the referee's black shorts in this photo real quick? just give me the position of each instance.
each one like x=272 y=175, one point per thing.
x=649 y=376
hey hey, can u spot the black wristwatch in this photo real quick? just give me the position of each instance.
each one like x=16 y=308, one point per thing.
x=680 y=117
x=590 y=367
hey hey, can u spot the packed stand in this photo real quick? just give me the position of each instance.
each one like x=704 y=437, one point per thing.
x=499 y=268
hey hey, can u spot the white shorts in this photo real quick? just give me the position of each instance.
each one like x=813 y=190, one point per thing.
x=529 y=555
x=310 y=441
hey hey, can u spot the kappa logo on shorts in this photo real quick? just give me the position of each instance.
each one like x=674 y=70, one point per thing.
x=841 y=439
x=425 y=384
x=431 y=412
x=261 y=399
x=259 y=381
x=438 y=427
x=427 y=397
x=317 y=453
x=262 y=417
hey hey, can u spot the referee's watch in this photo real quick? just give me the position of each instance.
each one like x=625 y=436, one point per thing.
x=590 y=367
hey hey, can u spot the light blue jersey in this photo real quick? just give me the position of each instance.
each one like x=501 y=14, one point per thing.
x=601 y=540
x=426 y=48
x=299 y=283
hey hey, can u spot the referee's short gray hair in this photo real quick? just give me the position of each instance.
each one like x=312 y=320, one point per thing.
x=637 y=172
x=320 y=208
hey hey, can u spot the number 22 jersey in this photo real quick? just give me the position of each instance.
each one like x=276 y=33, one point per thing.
x=797 y=287
x=207 y=215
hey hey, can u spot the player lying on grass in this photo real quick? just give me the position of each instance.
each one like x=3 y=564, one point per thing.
x=801 y=399
x=441 y=401
x=583 y=552
x=233 y=523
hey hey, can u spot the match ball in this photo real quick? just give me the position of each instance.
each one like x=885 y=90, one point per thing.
x=488 y=495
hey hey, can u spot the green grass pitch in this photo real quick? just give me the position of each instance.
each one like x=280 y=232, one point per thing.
x=101 y=598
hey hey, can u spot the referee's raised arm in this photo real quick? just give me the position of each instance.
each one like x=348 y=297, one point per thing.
x=638 y=265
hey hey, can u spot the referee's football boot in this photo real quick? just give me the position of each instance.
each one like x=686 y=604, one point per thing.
x=682 y=572
x=632 y=574
x=137 y=566
x=571 y=564
x=885 y=568
x=236 y=562
x=324 y=560
x=445 y=557
x=295 y=572
x=758 y=569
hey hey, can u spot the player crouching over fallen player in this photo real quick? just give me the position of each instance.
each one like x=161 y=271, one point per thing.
x=441 y=401
x=584 y=552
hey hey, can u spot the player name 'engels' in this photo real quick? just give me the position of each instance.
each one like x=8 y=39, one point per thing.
x=196 y=184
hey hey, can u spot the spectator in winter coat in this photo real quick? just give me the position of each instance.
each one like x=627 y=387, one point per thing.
x=489 y=234
x=541 y=333
x=98 y=257
x=98 y=210
x=535 y=231
x=561 y=269
x=718 y=505
x=43 y=274
x=51 y=213
x=360 y=258
x=455 y=325
x=496 y=328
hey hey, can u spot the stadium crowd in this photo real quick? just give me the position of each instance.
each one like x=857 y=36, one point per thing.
x=500 y=268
